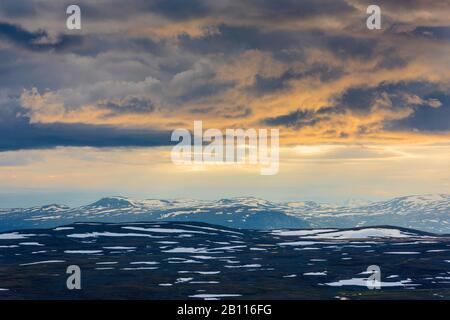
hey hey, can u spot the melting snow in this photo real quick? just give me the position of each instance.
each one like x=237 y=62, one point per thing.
x=42 y=262
x=163 y=230
x=363 y=283
x=322 y=273
x=31 y=244
x=108 y=234
x=186 y=250
x=140 y=268
x=363 y=233
x=402 y=252
x=214 y=295
x=83 y=251
x=297 y=243
x=14 y=236
x=299 y=232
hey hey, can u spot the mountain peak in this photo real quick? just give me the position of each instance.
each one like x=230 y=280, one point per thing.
x=113 y=202
x=49 y=208
x=247 y=201
x=426 y=198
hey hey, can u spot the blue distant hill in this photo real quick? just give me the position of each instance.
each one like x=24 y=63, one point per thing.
x=430 y=213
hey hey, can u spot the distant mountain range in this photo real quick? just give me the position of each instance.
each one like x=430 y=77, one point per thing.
x=429 y=213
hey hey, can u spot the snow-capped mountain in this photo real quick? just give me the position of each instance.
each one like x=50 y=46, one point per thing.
x=249 y=213
x=423 y=212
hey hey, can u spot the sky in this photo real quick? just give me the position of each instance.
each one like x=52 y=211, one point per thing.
x=362 y=114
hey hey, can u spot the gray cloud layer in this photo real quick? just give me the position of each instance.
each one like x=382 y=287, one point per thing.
x=173 y=57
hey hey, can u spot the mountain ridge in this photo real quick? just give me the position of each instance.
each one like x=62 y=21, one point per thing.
x=429 y=213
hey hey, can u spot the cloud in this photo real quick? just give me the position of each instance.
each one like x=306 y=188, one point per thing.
x=292 y=9
x=296 y=119
x=323 y=72
x=441 y=33
x=233 y=39
x=36 y=40
x=180 y=9
x=17 y=132
x=430 y=114
x=231 y=112
x=16 y=9
x=102 y=99
x=361 y=111
x=310 y=67
x=345 y=46
x=198 y=82
x=43 y=136
x=128 y=105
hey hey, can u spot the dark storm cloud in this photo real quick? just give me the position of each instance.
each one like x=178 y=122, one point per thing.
x=197 y=83
x=36 y=40
x=296 y=119
x=18 y=35
x=324 y=73
x=285 y=10
x=43 y=136
x=225 y=10
x=15 y=9
x=83 y=45
x=17 y=133
x=408 y=5
x=359 y=99
x=390 y=59
x=19 y=69
x=128 y=105
x=265 y=85
x=231 y=40
x=176 y=10
x=436 y=33
x=351 y=47
x=429 y=109
x=362 y=100
x=425 y=118
x=205 y=90
x=234 y=112
x=184 y=10
x=180 y=9
x=228 y=39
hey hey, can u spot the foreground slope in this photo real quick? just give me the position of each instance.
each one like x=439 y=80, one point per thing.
x=174 y=260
